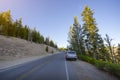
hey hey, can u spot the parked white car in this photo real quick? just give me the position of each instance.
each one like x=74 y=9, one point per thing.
x=71 y=55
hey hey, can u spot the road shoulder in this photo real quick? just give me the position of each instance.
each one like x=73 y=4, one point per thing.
x=86 y=71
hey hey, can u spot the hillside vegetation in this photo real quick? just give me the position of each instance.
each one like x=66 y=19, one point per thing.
x=18 y=40
x=91 y=46
x=9 y=27
x=11 y=47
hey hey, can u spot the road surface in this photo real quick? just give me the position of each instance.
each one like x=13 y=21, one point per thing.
x=54 y=67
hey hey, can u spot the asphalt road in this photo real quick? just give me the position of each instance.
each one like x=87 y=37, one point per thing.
x=52 y=67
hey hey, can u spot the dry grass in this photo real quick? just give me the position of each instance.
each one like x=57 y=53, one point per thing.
x=11 y=48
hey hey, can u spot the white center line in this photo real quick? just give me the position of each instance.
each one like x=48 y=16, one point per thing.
x=67 y=75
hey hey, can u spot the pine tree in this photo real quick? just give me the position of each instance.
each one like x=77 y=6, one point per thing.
x=8 y=27
x=14 y=29
x=101 y=49
x=5 y=22
x=47 y=48
x=34 y=35
x=51 y=43
x=55 y=46
x=26 y=32
x=19 y=28
x=76 y=37
x=42 y=39
x=47 y=41
x=90 y=31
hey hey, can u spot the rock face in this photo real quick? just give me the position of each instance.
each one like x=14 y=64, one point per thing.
x=15 y=47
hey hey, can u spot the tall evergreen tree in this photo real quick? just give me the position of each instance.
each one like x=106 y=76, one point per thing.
x=34 y=35
x=19 y=28
x=91 y=31
x=47 y=41
x=5 y=22
x=41 y=39
x=76 y=37
x=51 y=43
x=13 y=29
x=101 y=49
x=8 y=27
x=26 y=32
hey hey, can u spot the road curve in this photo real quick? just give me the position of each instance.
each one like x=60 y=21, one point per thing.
x=54 y=67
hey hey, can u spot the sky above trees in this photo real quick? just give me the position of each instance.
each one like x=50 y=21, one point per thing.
x=54 y=17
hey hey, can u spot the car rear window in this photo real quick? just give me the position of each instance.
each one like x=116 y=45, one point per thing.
x=71 y=53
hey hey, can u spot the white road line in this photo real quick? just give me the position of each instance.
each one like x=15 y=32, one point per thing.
x=67 y=75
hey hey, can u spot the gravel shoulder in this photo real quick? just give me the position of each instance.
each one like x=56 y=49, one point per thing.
x=86 y=71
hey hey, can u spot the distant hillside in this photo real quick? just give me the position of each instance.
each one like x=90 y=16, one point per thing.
x=15 y=47
x=9 y=27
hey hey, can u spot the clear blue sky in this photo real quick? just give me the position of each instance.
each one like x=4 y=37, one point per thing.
x=54 y=17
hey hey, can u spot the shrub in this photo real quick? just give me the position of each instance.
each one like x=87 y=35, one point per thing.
x=52 y=51
x=46 y=48
x=87 y=59
x=102 y=65
x=113 y=68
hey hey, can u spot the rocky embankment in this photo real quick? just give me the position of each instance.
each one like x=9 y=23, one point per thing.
x=14 y=48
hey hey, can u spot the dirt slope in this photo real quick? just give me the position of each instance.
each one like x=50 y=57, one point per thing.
x=11 y=48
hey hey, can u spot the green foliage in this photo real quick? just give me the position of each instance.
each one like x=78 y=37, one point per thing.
x=46 y=49
x=109 y=67
x=35 y=36
x=51 y=43
x=61 y=49
x=55 y=46
x=118 y=51
x=86 y=58
x=89 y=45
x=8 y=27
x=76 y=37
x=91 y=32
x=112 y=56
x=52 y=51
x=26 y=28
x=5 y=22
x=87 y=41
x=47 y=41
x=106 y=66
